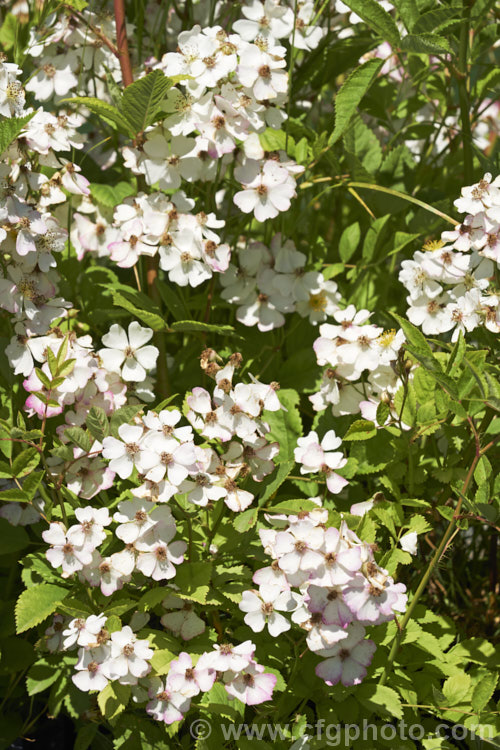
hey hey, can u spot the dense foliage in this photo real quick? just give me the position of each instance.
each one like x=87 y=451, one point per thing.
x=249 y=400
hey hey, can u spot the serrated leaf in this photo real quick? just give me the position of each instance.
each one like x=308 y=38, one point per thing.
x=243 y=522
x=74 y=608
x=97 y=423
x=349 y=241
x=350 y=95
x=361 y=429
x=383 y=412
x=425 y=44
x=85 y=736
x=418 y=524
x=43 y=378
x=161 y=661
x=380 y=699
x=291 y=507
x=10 y=128
x=52 y=362
x=153 y=319
x=278 y=477
x=286 y=426
x=173 y=302
x=377 y=19
x=276 y=140
x=141 y=101
x=25 y=462
x=429 y=22
x=113 y=699
x=77 y=4
x=14 y=495
x=79 y=437
x=41 y=675
x=456 y=688
x=36 y=604
x=121 y=416
x=193 y=580
x=195 y=326
x=105 y=111
x=111 y=195
x=483 y=691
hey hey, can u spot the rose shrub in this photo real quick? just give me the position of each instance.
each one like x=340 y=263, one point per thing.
x=249 y=408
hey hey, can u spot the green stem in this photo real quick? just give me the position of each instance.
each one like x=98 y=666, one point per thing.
x=216 y=525
x=405 y=197
x=463 y=94
x=380 y=189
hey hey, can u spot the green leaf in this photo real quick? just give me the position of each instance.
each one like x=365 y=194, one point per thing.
x=456 y=688
x=14 y=495
x=36 y=604
x=74 y=608
x=41 y=675
x=111 y=195
x=430 y=22
x=488 y=82
x=418 y=346
x=286 y=426
x=194 y=326
x=14 y=538
x=32 y=483
x=361 y=429
x=284 y=469
x=408 y=11
x=380 y=699
x=374 y=236
x=477 y=650
x=113 y=699
x=77 y=4
x=79 y=437
x=362 y=143
x=152 y=318
x=9 y=31
x=85 y=736
x=291 y=507
x=43 y=378
x=52 y=362
x=121 y=416
x=414 y=336
x=105 y=111
x=351 y=94
x=377 y=19
x=193 y=580
x=483 y=691
x=10 y=127
x=161 y=659
x=483 y=471
x=243 y=522
x=97 y=423
x=425 y=44
x=276 y=140
x=66 y=368
x=141 y=101
x=349 y=241
x=418 y=524
x=175 y=304
x=383 y=412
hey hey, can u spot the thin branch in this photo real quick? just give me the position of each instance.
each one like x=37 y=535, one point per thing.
x=122 y=42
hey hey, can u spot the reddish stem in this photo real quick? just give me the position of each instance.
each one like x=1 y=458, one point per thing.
x=122 y=43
